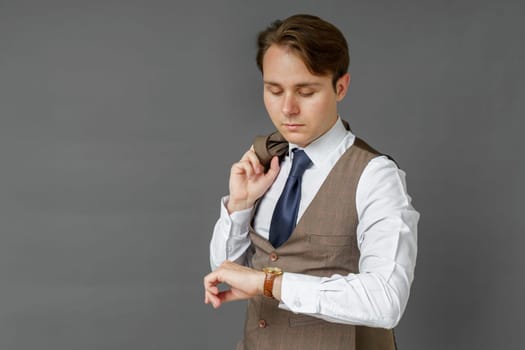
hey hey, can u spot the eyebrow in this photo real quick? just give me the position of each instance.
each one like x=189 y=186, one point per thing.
x=305 y=84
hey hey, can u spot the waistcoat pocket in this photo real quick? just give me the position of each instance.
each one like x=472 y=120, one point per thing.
x=303 y=320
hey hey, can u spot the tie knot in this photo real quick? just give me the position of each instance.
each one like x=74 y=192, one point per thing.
x=300 y=163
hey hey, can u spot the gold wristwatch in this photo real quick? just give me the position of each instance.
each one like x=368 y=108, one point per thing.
x=271 y=273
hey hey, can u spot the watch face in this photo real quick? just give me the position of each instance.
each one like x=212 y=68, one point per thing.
x=273 y=270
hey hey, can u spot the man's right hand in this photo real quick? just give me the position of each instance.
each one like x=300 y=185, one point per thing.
x=248 y=182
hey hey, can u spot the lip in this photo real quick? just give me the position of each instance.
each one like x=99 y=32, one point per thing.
x=292 y=126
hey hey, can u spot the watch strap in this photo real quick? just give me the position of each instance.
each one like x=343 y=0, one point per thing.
x=268 y=285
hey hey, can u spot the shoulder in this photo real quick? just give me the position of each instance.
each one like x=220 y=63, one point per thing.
x=371 y=153
x=383 y=177
x=380 y=173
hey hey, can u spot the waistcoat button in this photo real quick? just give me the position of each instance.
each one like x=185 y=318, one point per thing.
x=262 y=324
x=274 y=256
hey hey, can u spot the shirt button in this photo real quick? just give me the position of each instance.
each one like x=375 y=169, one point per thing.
x=274 y=256
x=262 y=324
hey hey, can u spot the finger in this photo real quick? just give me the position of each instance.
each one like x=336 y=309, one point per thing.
x=251 y=157
x=210 y=283
x=228 y=295
x=274 y=168
x=255 y=162
x=214 y=300
x=213 y=290
x=243 y=167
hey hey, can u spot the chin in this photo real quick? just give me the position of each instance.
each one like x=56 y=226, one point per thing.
x=296 y=139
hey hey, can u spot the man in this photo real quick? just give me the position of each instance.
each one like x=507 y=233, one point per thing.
x=327 y=218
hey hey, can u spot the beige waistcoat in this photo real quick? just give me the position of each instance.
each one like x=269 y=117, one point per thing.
x=323 y=243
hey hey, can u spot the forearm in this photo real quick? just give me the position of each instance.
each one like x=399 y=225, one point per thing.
x=230 y=239
x=358 y=299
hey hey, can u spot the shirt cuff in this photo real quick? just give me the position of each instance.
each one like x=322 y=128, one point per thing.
x=300 y=293
x=238 y=220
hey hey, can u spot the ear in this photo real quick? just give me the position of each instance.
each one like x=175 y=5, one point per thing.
x=341 y=86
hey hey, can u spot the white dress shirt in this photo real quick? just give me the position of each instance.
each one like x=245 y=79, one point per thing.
x=386 y=235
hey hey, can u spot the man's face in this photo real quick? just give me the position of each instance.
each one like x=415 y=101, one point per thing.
x=302 y=106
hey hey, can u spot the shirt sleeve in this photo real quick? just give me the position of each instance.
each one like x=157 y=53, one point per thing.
x=387 y=240
x=230 y=239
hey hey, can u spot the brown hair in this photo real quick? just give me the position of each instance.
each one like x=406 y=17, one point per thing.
x=320 y=45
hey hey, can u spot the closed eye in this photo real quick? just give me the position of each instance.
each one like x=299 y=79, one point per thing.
x=274 y=90
x=306 y=93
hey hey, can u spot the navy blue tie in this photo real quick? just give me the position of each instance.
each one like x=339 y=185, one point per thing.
x=285 y=214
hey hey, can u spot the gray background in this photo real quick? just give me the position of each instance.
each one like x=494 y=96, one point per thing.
x=120 y=120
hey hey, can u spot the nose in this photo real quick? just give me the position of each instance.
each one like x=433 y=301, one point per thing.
x=290 y=106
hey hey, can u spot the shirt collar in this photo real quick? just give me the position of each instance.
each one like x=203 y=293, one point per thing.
x=319 y=150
